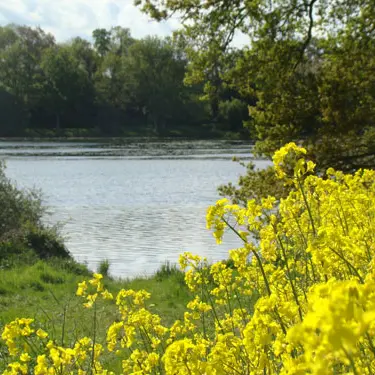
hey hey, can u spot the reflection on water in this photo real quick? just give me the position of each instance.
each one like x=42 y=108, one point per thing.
x=137 y=204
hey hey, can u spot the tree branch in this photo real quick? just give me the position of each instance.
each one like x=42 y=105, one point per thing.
x=309 y=33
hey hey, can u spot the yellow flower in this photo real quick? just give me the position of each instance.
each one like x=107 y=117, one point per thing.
x=107 y=295
x=25 y=357
x=41 y=334
x=298 y=296
x=82 y=287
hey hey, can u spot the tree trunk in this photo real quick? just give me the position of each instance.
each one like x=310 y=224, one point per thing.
x=156 y=126
x=57 y=121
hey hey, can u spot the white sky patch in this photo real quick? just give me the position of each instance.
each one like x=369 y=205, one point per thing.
x=66 y=19
x=70 y=18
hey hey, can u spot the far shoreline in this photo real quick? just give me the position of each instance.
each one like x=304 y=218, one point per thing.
x=123 y=139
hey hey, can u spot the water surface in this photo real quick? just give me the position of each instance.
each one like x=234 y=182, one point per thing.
x=138 y=204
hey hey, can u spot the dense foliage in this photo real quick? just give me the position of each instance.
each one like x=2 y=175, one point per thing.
x=23 y=235
x=306 y=69
x=115 y=86
x=296 y=298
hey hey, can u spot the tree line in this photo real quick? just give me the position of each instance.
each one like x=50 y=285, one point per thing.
x=114 y=85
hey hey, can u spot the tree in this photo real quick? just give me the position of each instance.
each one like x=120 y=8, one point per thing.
x=156 y=77
x=12 y=115
x=116 y=84
x=82 y=51
x=308 y=65
x=102 y=39
x=232 y=113
x=111 y=79
x=120 y=41
x=66 y=80
x=21 y=49
x=112 y=93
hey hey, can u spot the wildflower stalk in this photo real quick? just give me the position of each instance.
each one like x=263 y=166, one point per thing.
x=306 y=245
x=203 y=316
x=255 y=254
x=349 y=265
x=290 y=278
x=350 y=358
x=93 y=341
x=307 y=206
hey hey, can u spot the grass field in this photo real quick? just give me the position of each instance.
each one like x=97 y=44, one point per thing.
x=45 y=291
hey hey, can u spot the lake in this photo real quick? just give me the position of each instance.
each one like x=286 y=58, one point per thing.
x=138 y=204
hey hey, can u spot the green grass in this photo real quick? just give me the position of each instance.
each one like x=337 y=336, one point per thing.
x=48 y=287
x=45 y=291
x=205 y=131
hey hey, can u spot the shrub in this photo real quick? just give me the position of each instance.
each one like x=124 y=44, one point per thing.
x=51 y=278
x=254 y=184
x=46 y=243
x=103 y=268
x=22 y=231
x=15 y=252
x=168 y=270
x=69 y=265
x=297 y=298
x=18 y=207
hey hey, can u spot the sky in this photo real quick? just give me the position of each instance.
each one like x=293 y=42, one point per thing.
x=66 y=19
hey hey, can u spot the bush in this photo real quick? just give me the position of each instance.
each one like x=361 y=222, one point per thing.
x=13 y=253
x=18 y=207
x=22 y=231
x=297 y=298
x=69 y=265
x=254 y=184
x=168 y=270
x=103 y=268
x=46 y=243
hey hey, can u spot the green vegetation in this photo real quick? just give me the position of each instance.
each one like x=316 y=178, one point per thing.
x=115 y=86
x=103 y=268
x=38 y=277
x=45 y=291
x=297 y=298
x=312 y=263
x=23 y=236
x=306 y=71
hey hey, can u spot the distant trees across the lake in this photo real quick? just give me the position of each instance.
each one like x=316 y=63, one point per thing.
x=113 y=85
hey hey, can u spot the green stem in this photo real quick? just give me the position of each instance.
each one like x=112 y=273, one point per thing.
x=307 y=206
x=290 y=278
x=350 y=266
x=93 y=342
x=203 y=319
x=259 y=261
x=214 y=311
x=352 y=364
x=370 y=343
x=63 y=327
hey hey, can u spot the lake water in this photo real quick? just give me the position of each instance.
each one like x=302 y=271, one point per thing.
x=138 y=204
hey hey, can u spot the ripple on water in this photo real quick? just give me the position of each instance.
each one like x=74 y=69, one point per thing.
x=138 y=207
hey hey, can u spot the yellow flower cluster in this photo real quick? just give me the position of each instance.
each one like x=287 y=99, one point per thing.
x=297 y=298
x=97 y=289
x=32 y=352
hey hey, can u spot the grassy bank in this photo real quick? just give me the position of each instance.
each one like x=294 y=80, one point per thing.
x=38 y=277
x=225 y=136
x=300 y=300
x=84 y=135
x=45 y=291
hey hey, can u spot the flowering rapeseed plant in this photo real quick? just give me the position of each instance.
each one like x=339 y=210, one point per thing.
x=299 y=297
